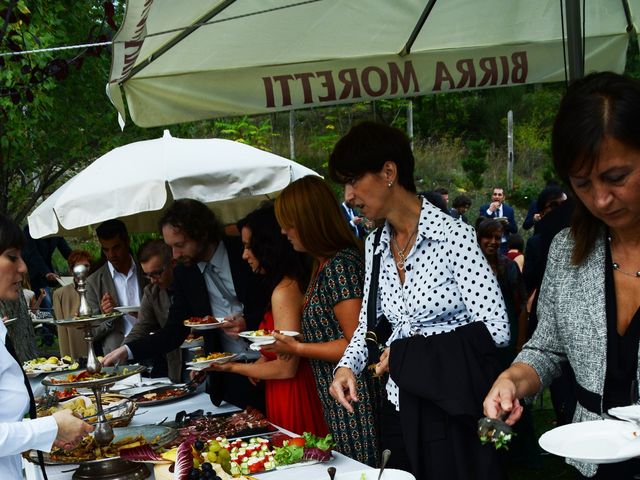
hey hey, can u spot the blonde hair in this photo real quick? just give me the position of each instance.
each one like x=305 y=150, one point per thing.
x=309 y=206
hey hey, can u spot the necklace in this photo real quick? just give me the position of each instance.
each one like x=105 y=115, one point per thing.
x=403 y=258
x=616 y=266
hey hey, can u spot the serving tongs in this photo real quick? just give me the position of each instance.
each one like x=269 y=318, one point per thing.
x=491 y=428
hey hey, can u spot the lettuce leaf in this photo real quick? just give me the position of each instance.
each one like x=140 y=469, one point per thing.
x=288 y=454
x=323 y=443
x=142 y=453
x=315 y=453
x=184 y=462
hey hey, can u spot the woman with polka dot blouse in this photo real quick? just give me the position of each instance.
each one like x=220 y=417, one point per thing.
x=433 y=280
x=310 y=216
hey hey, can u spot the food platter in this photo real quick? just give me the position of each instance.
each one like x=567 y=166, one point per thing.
x=88 y=321
x=193 y=342
x=41 y=365
x=164 y=394
x=128 y=309
x=264 y=337
x=118 y=409
x=598 y=441
x=154 y=435
x=107 y=376
x=204 y=323
x=222 y=358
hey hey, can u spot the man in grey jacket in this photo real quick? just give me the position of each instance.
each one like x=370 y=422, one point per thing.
x=118 y=283
x=157 y=263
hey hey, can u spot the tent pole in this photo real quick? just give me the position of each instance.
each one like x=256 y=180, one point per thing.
x=574 y=40
x=292 y=135
x=410 y=122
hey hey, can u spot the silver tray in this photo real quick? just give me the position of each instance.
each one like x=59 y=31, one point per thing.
x=50 y=380
x=92 y=321
x=163 y=433
x=186 y=393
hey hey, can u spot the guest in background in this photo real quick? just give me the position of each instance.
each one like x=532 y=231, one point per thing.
x=157 y=265
x=445 y=195
x=515 y=246
x=356 y=222
x=66 y=302
x=292 y=400
x=499 y=209
x=461 y=204
x=118 y=283
x=38 y=255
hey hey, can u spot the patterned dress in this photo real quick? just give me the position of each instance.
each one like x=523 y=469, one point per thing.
x=340 y=278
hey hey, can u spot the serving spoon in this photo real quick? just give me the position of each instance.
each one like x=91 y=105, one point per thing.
x=332 y=472
x=385 y=458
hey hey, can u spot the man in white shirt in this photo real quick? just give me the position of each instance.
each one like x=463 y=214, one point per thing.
x=118 y=283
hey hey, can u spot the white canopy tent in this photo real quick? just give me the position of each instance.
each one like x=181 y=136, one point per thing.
x=197 y=59
x=136 y=182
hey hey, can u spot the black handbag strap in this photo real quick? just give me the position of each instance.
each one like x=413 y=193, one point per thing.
x=372 y=303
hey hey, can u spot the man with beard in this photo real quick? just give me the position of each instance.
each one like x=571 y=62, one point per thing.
x=210 y=279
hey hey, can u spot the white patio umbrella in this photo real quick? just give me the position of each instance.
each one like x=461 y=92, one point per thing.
x=197 y=59
x=136 y=182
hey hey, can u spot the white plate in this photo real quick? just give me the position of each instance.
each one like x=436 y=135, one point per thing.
x=598 y=441
x=206 y=326
x=630 y=412
x=372 y=474
x=9 y=321
x=129 y=309
x=265 y=339
x=206 y=363
x=195 y=343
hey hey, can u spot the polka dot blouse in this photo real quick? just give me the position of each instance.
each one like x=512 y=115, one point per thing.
x=448 y=283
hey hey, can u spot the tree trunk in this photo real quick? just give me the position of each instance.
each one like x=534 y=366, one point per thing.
x=21 y=331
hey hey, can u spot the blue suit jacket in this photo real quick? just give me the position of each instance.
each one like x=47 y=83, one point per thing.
x=508 y=212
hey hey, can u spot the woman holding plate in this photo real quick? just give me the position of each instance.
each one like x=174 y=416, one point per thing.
x=61 y=429
x=310 y=216
x=589 y=303
x=291 y=397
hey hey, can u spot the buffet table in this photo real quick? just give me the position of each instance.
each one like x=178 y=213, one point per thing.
x=154 y=414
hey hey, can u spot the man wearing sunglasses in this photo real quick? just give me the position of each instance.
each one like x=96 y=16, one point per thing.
x=157 y=265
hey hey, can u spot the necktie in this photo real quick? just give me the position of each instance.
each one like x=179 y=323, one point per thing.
x=222 y=288
x=32 y=402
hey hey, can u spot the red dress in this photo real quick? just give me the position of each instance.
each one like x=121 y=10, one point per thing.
x=293 y=403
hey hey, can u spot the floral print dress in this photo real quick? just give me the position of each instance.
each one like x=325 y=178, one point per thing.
x=340 y=278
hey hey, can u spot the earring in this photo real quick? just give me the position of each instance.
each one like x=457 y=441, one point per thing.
x=389 y=184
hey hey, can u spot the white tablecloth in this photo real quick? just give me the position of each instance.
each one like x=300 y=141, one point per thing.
x=150 y=415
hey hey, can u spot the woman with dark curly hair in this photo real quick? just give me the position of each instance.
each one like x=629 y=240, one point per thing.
x=292 y=400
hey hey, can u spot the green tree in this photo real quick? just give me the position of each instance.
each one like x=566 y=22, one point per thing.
x=475 y=163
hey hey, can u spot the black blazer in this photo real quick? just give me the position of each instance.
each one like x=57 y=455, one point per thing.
x=191 y=299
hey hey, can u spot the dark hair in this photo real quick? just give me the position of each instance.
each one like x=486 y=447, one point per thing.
x=10 y=234
x=435 y=198
x=194 y=219
x=154 y=248
x=548 y=195
x=487 y=226
x=461 y=201
x=599 y=106
x=111 y=229
x=442 y=191
x=366 y=148
x=273 y=250
x=516 y=241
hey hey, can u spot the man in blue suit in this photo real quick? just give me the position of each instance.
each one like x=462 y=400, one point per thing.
x=498 y=209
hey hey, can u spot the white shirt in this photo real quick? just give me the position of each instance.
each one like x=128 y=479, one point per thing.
x=222 y=306
x=128 y=292
x=447 y=284
x=16 y=435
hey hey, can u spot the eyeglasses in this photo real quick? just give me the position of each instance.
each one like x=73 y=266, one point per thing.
x=155 y=274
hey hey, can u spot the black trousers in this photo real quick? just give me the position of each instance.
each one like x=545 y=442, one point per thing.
x=391 y=437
